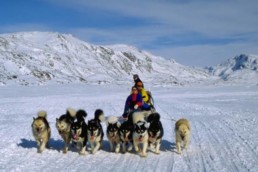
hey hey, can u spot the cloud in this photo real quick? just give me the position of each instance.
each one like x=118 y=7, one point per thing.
x=217 y=18
x=179 y=20
x=205 y=30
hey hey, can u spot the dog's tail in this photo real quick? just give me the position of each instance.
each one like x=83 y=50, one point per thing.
x=112 y=120
x=42 y=114
x=71 y=112
x=99 y=115
x=138 y=116
x=81 y=114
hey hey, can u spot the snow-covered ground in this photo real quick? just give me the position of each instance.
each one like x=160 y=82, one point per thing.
x=223 y=120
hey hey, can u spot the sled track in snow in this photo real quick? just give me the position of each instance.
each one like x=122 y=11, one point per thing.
x=213 y=140
x=223 y=134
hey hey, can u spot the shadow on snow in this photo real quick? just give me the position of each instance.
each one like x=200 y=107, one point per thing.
x=59 y=145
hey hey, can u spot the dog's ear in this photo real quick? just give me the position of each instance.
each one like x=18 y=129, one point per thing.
x=57 y=119
x=34 y=118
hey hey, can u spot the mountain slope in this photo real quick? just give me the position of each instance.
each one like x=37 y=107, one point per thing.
x=42 y=57
x=239 y=69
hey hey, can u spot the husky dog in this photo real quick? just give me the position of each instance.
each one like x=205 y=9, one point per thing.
x=41 y=130
x=155 y=131
x=125 y=134
x=95 y=131
x=182 y=133
x=139 y=115
x=113 y=126
x=63 y=125
x=140 y=133
x=79 y=131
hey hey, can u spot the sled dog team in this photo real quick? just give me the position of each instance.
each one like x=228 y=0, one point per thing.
x=142 y=131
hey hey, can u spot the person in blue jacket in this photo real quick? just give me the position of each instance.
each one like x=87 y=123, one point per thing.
x=133 y=102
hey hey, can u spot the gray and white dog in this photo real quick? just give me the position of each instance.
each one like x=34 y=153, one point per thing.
x=113 y=126
x=95 y=131
x=79 y=131
x=140 y=133
x=126 y=136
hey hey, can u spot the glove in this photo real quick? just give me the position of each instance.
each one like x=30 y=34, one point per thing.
x=135 y=106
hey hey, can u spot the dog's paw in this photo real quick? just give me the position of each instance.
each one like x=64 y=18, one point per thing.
x=151 y=149
x=136 y=149
x=117 y=150
x=144 y=155
x=94 y=151
x=65 y=150
x=130 y=148
x=185 y=147
x=82 y=153
x=157 y=152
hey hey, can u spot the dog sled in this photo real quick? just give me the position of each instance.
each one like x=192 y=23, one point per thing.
x=151 y=100
x=130 y=113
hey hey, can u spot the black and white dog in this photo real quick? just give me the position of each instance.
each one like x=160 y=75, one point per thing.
x=113 y=126
x=63 y=125
x=126 y=136
x=79 y=131
x=140 y=133
x=155 y=131
x=95 y=131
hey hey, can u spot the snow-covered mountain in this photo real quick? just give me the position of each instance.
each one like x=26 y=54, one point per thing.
x=36 y=58
x=237 y=70
x=42 y=57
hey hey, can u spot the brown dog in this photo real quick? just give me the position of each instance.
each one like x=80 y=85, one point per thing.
x=41 y=130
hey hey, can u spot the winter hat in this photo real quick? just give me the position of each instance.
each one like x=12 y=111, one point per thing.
x=135 y=76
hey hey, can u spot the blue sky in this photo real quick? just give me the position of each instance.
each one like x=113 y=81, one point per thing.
x=193 y=32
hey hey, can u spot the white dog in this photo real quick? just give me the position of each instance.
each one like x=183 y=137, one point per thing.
x=140 y=133
x=182 y=133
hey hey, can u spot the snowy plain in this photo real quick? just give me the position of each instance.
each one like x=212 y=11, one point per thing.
x=223 y=121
